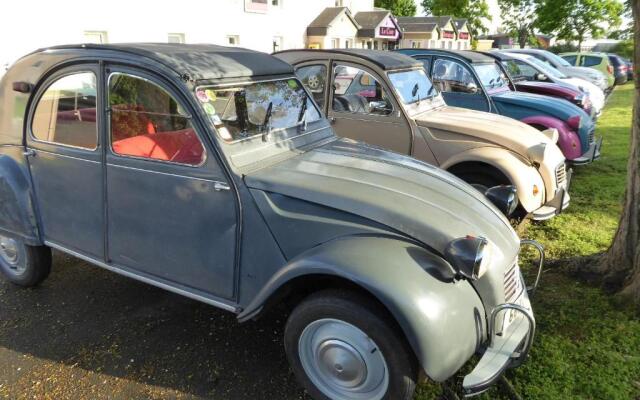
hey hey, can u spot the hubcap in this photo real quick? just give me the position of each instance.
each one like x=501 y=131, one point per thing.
x=342 y=361
x=10 y=254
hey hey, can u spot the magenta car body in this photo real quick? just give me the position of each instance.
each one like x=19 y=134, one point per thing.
x=561 y=91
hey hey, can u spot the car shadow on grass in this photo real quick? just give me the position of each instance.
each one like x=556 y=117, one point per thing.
x=147 y=342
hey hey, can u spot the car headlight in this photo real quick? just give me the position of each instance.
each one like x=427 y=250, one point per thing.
x=469 y=256
x=504 y=197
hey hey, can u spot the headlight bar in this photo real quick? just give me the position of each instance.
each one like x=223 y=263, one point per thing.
x=528 y=242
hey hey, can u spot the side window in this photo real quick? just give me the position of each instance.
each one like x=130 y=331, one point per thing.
x=357 y=91
x=147 y=122
x=570 y=59
x=451 y=76
x=590 y=61
x=66 y=112
x=313 y=77
x=526 y=70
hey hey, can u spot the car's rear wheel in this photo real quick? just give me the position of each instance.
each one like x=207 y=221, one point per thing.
x=22 y=264
x=341 y=347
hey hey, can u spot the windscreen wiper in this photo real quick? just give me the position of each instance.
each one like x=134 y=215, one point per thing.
x=266 y=124
x=302 y=116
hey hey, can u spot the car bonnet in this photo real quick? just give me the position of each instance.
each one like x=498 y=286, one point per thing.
x=412 y=197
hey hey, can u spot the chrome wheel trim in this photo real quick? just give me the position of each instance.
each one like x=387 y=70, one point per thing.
x=342 y=361
x=12 y=254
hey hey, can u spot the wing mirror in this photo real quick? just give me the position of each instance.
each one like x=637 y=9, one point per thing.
x=472 y=88
x=541 y=77
x=504 y=197
x=379 y=107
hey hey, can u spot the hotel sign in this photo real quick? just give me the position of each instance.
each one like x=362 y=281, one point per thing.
x=387 y=31
x=448 y=35
x=463 y=35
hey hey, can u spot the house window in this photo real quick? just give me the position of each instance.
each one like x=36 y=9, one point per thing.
x=347 y=43
x=442 y=44
x=375 y=45
x=277 y=43
x=459 y=45
x=335 y=43
x=176 y=38
x=233 y=40
x=432 y=44
x=339 y=3
x=276 y=3
x=96 y=36
x=450 y=45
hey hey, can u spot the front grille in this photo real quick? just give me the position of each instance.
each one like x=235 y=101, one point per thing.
x=512 y=283
x=561 y=174
x=592 y=136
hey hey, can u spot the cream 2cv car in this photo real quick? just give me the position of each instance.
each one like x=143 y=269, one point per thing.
x=386 y=99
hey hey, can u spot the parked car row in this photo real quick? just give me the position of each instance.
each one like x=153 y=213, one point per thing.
x=369 y=191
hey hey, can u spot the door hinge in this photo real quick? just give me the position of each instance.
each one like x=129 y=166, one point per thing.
x=29 y=153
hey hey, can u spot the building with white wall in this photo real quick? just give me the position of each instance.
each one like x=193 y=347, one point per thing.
x=264 y=25
x=443 y=32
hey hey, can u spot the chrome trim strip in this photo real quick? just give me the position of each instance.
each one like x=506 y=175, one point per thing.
x=143 y=279
x=62 y=155
x=167 y=173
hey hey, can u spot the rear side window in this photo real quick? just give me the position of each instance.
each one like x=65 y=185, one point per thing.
x=66 y=112
x=590 y=61
x=147 y=122
x=570 y=59
x=451 y=76
x=313 y=77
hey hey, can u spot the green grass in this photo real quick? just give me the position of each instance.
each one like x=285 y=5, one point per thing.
x=587 y=345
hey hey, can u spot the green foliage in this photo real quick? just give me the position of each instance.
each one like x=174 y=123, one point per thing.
x=624 y=49
x=578 y=19
x=586 y=346
x=399 y=8
x=518 y=17
x=563 y=48
x=473 y=10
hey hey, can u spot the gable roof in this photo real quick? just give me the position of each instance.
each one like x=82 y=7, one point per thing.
x=417 y=27
x=440 y=21
x=458 y=23
x=320 y=25
x=369 y=21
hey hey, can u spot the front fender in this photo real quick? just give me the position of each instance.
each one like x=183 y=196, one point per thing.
x=17 y=212
x=443 y=319
x=521 y=175
x=568 y=140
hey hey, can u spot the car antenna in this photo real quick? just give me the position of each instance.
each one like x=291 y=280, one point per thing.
x=266 y=125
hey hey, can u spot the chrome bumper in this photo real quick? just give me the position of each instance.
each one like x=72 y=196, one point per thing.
x=508 y=349
x=591 y=155
x=557 y=204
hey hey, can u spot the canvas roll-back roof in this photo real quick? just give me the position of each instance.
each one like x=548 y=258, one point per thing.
x=200 y=61
x=387 y=60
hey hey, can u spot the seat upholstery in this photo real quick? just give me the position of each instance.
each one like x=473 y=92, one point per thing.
x=178 y=146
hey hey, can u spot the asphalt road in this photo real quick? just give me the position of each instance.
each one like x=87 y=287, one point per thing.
x=87 y=333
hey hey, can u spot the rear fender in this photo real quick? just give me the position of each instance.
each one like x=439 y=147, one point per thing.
x=520 y=174
x=568 y=140
x=17 y=212
x=443 y=319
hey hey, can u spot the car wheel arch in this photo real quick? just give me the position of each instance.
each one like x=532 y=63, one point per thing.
x=427 y=334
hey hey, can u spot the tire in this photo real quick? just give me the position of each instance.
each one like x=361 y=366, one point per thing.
x=328 y=322
x=22 y=264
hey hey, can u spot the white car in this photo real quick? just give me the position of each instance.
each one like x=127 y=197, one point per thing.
x=551 y=74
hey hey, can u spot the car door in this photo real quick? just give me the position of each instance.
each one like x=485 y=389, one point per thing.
x=363 y=108
x=458 y=85
x=170 y=211
x=66 y=160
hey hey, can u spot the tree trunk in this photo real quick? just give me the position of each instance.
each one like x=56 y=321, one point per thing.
x=523 y=37
x=620 y=266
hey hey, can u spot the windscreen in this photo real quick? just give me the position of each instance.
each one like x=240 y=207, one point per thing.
x=412 y=86
x=491 y=76
x=546 y=68
x=243 y=111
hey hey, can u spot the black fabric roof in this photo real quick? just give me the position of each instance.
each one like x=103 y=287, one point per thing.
x=200 y=61
x=319 y=26
x=387 y=60
x=499 y=55
x=470 y=56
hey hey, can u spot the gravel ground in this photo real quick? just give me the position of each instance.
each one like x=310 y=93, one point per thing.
x=87 y=333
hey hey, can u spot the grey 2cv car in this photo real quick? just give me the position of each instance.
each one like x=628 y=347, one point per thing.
x=209 y=172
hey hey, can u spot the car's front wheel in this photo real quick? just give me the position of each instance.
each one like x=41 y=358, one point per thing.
x=341 y=346
x=22 y=264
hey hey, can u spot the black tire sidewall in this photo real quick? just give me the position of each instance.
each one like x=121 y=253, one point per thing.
x=399 y=358
x=37 y=262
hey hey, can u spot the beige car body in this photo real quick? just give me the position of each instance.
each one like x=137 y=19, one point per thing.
x=455 y=139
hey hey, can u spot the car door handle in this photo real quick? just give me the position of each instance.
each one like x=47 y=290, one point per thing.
x=219 y=186
x=29 y=153
x=332 y=120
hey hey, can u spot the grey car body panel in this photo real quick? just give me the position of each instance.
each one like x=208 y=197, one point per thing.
x=18 y=216
x=409 y=209
x=425 y=306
